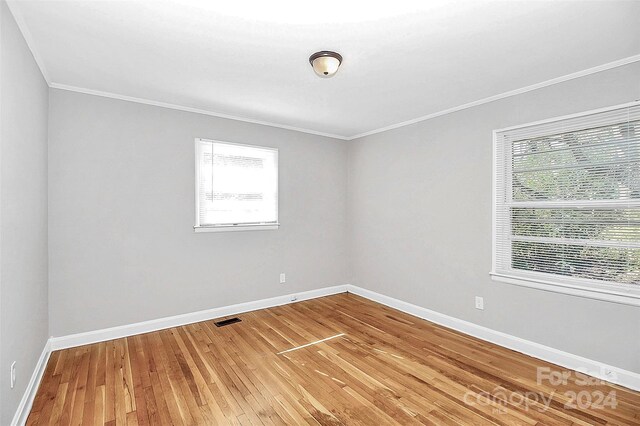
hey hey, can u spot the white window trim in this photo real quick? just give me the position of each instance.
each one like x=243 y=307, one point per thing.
x=243 y=227
x=231 y=227
x=599 y=291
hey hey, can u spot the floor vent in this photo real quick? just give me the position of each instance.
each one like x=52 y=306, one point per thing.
x=227 y=322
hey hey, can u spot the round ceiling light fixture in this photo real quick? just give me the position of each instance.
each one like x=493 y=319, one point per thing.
x=325 y=63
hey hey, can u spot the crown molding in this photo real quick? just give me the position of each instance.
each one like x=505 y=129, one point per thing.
x=190 y=109
x=553 y=81
x=572 y=76
x=38 y=58
x=26 y=34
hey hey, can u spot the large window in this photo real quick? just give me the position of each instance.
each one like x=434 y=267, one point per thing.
x=567 y=204
x=236 y=186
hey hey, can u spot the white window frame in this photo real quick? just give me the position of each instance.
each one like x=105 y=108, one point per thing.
x=597 y=290
x=236 y=227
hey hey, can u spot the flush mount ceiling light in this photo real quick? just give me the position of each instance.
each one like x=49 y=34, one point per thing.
x=325 y=63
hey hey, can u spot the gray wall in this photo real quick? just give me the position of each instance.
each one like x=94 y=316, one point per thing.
x=420 y=222
x=121 y=191
x=23 y=213
x=417 y=224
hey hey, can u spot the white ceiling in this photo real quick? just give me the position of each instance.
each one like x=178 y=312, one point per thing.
x=249 y=59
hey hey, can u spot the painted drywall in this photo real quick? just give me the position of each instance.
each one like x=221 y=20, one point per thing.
x=121 y=211
x=419 y=216
x=23 y=213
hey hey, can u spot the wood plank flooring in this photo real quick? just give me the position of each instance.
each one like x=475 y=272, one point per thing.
x=369 y=365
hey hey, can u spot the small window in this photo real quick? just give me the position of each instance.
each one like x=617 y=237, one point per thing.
x=567 y=204
x=236 y=187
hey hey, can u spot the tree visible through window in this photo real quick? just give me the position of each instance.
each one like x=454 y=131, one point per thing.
x=568 y=199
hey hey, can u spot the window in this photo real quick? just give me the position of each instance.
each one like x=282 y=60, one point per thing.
x=567 y=204
x=236 y=187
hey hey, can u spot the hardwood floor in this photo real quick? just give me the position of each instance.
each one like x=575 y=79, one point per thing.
x=371 y=365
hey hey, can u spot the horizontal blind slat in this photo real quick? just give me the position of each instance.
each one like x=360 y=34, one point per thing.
x=568 y=198
x=238 y=184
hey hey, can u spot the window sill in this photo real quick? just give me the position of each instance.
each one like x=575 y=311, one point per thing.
x=231 y=228
x=622 y=296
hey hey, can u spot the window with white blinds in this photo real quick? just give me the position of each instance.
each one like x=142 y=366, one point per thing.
x=567 y=202
x=236 y=186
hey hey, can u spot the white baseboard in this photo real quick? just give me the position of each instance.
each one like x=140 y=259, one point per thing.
x=597 y=369
x=24 y=408
x=593 y=368
x=95 y=336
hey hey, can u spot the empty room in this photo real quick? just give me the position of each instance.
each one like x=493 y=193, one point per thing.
x=319 y=213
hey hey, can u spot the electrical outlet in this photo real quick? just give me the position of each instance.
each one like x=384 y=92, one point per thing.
x=283 y=278
x=13 y=374
x=479 y=302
